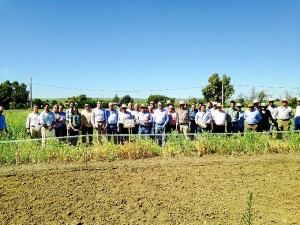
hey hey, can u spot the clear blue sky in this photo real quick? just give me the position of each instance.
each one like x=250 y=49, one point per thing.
x=119 y=47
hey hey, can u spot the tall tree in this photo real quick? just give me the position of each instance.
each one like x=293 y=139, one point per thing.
x=160 y=98
x=213 y=91
x=13 y=95
x=116 y=99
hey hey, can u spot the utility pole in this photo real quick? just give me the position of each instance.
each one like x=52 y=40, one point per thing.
x=223 y=91
x=31 y=93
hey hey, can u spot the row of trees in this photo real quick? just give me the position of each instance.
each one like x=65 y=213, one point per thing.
x=15 y=96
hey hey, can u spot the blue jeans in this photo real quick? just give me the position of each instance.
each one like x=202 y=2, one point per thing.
x=297 y=124
x=112 y=131
x=160 y=138
x=144 y=129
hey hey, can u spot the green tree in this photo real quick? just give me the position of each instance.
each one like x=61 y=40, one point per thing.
x=261 y=96
x=116 y=99
x=38 y=101
x=160 y=98
x=5 y=94
x=126 y=99
x=13 y=95
x=213 y=91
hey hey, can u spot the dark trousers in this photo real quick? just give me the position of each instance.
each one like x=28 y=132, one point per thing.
x=232 y=127
x=193 y=127
x=87 y=131
x=219 y=129
x=73 y=137
x=112 y=131
x=297 y=124
x=124 y=131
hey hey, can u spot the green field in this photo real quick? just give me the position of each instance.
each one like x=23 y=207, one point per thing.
x=28 y=151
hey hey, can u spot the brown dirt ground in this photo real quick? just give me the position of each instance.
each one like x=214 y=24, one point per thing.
x=182 y=190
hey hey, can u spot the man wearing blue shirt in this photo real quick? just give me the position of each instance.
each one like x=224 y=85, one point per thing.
x=3 y=127
x=252 y=118
x=112 y=119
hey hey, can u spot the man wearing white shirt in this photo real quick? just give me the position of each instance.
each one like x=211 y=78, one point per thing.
x=218 y=119
x=274 y=111
x=161 y=119
x=98 y=119
x=33 y=125
x=145 y=119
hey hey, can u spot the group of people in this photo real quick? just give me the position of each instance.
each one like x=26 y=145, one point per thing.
x=154 y=120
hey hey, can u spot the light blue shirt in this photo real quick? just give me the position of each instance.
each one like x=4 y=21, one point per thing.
x=47 y=118
x=161 y=117
x=111 y=116
x=252 y=117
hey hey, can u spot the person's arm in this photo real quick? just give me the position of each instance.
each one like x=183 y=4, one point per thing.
x=28 y=124
x=167 y=119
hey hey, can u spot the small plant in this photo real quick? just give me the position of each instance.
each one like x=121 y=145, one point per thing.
x=248 y=214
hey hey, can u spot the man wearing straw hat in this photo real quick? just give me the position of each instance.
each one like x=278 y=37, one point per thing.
x=98 y=119
x=144 y=119
x=284 y=116
x=161 y=119
x=183 y=119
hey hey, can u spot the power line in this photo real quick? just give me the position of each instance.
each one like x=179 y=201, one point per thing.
x=154 y=90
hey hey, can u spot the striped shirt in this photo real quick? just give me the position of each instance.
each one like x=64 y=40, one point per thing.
x=98 y=115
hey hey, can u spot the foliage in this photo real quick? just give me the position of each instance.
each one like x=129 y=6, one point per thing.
x=14 y=95
x=126 y=99
x=160 y=98
x=38 y=101
x=261 y=96
x=213 y=91
x=116 y=99
x=248 y=214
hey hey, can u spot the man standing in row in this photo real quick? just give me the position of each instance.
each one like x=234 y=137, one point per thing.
x=297 y=116
x=284 y=116
x=33 y=126
x=99 y=120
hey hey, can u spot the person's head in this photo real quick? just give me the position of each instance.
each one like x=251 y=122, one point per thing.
x=171 y=108
x=123 y=108
x=143 y=108
x=55 y=108
x=87 y=107
x=251 y=106
x=181 y=104
x=199 y=105
x=1 y=109
x=239 y=106
x=137 y=107
x=193 y=106
x=215 y=105
x=111 y=106
x=72 y=104
x=168 y=103
x=152 y=103
x=271 y=102
x=232 y=104
x=284 y=102
x=35 y=108
x=99 y=104
x=263 y=106
x=298 y=101
x=60 y=108
x=202 y=108
x=47 y=107
x=209 y=105
x=75 y=109
x=150 y=108
x=130 y=105
x=160 y=105
x=219 y=107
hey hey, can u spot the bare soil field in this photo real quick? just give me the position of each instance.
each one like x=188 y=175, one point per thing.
x=182 y=190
